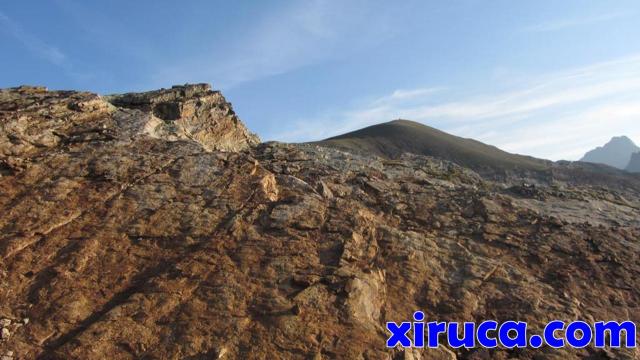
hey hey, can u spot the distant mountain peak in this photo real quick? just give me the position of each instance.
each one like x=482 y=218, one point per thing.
x=623 y=139
x=617 y=152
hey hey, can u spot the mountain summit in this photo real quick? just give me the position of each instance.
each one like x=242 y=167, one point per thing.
x=394 y=138
x=617 y=152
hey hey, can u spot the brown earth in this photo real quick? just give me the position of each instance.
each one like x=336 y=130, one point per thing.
x=153 y=226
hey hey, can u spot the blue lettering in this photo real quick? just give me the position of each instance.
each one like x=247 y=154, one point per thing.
x=549 y=334
x=468 y=338
x=509 y=327
x=584 y=339
x=483 y=334
x=418 y=329
x=435 y=329
x=536 y=341
x=615 y=333
x=398 y=334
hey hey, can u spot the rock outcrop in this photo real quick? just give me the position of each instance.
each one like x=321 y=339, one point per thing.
x=192 y=112
x=127 y=234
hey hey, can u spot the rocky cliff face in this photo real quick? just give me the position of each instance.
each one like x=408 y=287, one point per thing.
x=126 y=234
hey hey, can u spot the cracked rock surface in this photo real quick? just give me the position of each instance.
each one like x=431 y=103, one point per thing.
x=154 y=226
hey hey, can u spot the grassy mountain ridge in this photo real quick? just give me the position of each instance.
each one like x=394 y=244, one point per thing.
x=393 y=138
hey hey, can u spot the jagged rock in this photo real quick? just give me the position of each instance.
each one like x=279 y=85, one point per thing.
x=192 y=112
x=5 y=334
x=325 y=190
x=366 y=296
x=358 y=249
x=127 y=233
x=268 y=187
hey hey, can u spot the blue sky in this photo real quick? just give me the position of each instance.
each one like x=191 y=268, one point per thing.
x=546 y=78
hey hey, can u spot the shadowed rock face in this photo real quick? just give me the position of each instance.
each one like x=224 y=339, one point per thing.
x=634 y=163
x=120 y=242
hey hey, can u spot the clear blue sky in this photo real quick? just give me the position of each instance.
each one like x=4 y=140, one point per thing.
x=546 y=78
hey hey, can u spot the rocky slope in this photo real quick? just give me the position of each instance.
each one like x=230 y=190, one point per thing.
x=127 y=234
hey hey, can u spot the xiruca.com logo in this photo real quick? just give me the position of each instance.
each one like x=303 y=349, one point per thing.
x=510 y=334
